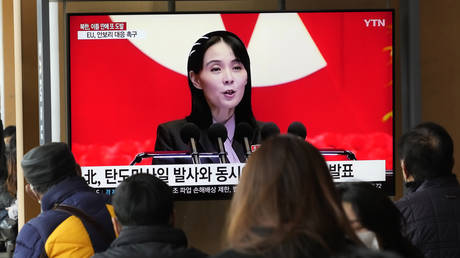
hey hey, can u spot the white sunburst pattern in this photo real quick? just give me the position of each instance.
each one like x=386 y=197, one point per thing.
x=281 y=48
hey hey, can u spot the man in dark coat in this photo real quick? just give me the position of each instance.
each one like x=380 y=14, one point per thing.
x=431 y=205
x=144 y=221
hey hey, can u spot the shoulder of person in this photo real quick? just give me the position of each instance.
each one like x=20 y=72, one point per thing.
x=190 y=252
x=174 y=123
x=260 y=124
x=42 y=225
x=413 y=198
x=152 y=250
x=406 y=206
x=105 y=254
x=29 y=242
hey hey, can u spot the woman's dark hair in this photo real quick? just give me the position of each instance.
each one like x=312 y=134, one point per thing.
x=9 y=131
x=201 y=113
x=286 y=204
x=11 y=180
x=377 y=213
x=3 y=165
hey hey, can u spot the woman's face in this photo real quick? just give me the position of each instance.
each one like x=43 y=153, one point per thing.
x=222 y=79
x=351 y=215
x=368 y=237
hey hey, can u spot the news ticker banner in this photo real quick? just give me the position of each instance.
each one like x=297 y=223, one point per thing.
x=208 y=181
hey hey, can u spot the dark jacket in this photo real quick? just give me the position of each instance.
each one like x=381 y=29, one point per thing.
x=432 y=214
x=150 y=241
x=58 y=232
x=351 y=252
x=168 y=139
x=235 y=254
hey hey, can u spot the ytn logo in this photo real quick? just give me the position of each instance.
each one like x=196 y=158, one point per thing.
x=374 y=22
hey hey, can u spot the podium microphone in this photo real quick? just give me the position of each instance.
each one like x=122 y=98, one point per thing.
x=298 y=129
x=190 y=134
x=243 y=132
x=218 y=134
x=268 y=130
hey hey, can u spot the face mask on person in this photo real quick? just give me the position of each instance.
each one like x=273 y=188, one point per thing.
x=368 y=238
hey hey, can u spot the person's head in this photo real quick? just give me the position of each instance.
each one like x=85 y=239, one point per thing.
x=426 y=152
x=285 y=194
x=219 y=77
x=8 y=132
x=369 y=210
x=47 y=165
x=142 y=199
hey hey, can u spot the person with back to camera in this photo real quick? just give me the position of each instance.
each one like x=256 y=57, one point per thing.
x=5 y=197
x=74 y=220
x=375 y=219
x=431 y=205
x=144 y=221
x=9 y=223
x=286 y=205
x=219 y=78
x=8 y=226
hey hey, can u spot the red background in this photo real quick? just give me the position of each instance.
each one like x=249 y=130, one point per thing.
x=119 y=95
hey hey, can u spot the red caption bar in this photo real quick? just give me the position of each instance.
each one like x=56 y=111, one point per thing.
x=103 y=26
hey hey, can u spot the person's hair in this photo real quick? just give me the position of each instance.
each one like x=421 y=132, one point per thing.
x=47 y=165
x=286 y=203
x=201 y=113
x=143 y=199
x=43 y=188
x=9 y=131
x=377 y=213
x=427 y=151
x=11 y=180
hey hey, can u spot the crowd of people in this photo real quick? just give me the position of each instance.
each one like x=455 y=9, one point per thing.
x=286 y=205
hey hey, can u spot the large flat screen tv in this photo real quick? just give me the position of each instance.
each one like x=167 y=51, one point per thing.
x=332 y=71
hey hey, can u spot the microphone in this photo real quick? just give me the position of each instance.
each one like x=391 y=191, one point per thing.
x=218 y=134
x=268 y=130
x=298 y=129
x=140 y=156
x=190 y=134
x=243 y=132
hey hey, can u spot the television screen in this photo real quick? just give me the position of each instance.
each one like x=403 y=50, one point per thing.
x=331 y=71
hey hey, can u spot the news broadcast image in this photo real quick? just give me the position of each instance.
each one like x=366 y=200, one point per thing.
x=331 y=71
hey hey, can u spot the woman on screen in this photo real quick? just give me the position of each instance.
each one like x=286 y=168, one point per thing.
x=286 y=205
x=219 y=77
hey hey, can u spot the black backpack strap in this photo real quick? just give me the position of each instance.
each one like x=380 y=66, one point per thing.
x=43 y=254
